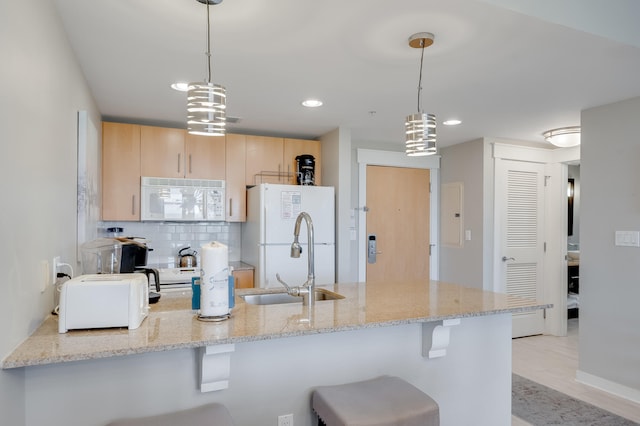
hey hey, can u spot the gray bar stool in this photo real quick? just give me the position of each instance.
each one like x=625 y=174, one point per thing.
x=384 y=401
x=213 y=414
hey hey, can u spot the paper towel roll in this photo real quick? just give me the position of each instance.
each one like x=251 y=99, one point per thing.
x=214 y=280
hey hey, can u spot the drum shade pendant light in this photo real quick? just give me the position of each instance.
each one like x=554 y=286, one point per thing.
x=420 y=128
x=564 y=137
x=206 y=101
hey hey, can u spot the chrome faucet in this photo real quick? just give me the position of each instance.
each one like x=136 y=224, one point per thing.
x=306 y=290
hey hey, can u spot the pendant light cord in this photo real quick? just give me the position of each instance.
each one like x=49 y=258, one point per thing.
x=208 y=54
x=420 y=78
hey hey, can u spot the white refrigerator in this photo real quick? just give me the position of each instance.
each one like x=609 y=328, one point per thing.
x=268 y=233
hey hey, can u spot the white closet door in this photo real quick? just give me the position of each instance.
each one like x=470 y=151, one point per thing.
x=520 y=244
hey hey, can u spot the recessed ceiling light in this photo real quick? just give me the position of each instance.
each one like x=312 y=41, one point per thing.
x=312 y=103
x=180 y=87
x=453 y=122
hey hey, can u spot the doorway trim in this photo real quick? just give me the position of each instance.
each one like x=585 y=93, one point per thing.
x=369 y=157
x=555 y=263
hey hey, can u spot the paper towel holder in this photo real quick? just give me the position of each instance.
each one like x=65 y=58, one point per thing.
x=214 y=273
x=213 y=318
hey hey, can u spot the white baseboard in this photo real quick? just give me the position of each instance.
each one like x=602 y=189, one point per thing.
x=608 y=386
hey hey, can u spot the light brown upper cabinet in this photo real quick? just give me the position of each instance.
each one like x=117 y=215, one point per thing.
x=273 y=160
x=173 y=153
x=131 y=151
x=162 y=152
x=264 y=160
x=205 y=157
x=120 y=171
x=295 y=147
x=236 y=203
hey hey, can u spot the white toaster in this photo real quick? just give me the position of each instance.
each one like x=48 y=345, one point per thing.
x=102 y=301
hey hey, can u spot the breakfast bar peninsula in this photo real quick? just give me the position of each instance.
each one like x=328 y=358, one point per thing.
x=452 y=342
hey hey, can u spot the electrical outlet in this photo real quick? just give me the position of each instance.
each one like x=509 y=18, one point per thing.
x=285 y=420
x=54 y=269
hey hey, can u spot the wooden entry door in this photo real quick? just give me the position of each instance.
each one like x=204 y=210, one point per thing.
x=398 y=216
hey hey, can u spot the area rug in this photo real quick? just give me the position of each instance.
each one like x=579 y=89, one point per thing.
x=540 y=405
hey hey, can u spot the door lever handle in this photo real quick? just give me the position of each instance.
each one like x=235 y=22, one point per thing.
x=505 y=258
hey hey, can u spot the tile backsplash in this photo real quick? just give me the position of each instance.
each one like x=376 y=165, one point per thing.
x=167 y=238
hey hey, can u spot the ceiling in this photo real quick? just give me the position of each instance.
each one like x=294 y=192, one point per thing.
x=506 y=68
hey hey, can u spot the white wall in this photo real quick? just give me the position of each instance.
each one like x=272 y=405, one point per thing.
x=269 y=378
x=42 y=91
x=610 y=275
x=336 y=172
x=464 y=163
x=472 y=163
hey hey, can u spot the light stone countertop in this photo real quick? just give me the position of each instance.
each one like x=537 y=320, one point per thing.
x=172 y=324
x=240 y=266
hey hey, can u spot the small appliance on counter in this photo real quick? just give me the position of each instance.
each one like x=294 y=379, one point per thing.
x=187 y=259
x=103 y=301
x=119 y=256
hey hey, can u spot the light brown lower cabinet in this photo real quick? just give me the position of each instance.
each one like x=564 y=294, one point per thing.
x=243 y=278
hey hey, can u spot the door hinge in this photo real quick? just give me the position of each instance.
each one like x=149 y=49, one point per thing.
x=544 y=247
x=546 y=180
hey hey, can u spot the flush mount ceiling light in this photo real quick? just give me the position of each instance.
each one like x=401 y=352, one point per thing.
x=452 y=122
x=563 y=137
x=420 y=128
x=207 y=102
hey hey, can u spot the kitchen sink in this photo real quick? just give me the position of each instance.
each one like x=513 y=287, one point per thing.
x=283 y=297
x=573 y=254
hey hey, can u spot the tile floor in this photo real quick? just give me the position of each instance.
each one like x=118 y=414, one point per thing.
x=553 y=361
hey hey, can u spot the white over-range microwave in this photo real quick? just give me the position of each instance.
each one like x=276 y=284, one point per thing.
x=167 y=199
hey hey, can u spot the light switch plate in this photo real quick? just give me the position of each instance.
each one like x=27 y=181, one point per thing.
x=627 y=238
x=44 y=273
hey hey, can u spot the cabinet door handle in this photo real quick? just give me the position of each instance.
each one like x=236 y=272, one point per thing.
x=230 y=207
x=179 y=163
x=190 y=171
x=133 y=205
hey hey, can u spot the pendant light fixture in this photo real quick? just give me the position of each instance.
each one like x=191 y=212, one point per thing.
x=420 y=128
x=206 y=101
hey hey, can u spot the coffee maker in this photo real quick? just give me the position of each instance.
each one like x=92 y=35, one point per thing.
x=118 y=256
